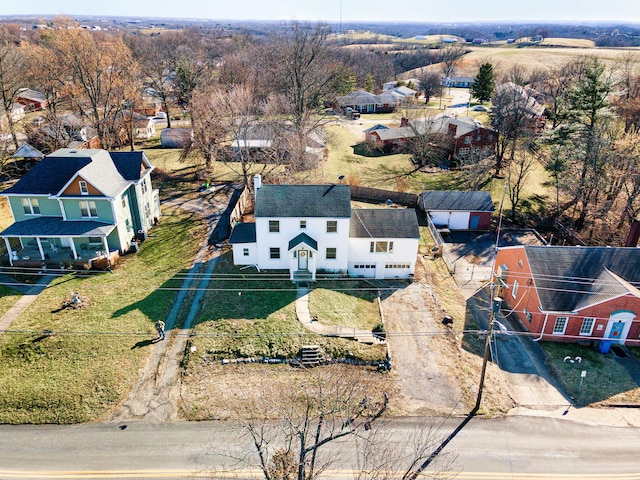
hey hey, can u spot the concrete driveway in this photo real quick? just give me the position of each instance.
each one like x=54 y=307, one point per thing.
x=519 y=357
x=470 y=255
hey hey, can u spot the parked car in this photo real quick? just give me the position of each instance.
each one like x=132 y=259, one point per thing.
x=480 y=108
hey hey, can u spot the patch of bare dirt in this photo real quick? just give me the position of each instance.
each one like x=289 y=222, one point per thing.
x=435 y=375
x=214 y=391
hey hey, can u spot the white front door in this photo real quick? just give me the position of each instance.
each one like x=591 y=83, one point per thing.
x=303 y=260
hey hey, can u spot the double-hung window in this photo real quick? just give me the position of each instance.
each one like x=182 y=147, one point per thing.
x=560 y=326
x=88 y=209
x=332 y=226
x=31 y=206
x=84 y=189
x=587 y=326
x=274 y=226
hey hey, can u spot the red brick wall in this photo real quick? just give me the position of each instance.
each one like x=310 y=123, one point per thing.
x=527 y=298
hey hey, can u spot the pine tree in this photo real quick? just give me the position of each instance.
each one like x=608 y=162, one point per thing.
x=484 y=83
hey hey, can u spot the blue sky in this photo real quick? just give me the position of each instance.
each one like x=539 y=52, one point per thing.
x=329 y=10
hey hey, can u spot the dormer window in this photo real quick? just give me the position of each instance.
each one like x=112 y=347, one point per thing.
x=84 y=189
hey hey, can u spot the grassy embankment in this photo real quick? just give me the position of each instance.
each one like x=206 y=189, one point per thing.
x=94 y=354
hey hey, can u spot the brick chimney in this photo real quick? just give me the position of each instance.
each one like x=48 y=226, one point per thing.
x=634 y=234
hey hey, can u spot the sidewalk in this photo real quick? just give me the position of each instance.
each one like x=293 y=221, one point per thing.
x=27 y=299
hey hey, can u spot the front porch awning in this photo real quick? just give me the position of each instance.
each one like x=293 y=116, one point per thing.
x=303 y=238
x=57 y=227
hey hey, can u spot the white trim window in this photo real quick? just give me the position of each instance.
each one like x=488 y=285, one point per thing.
x=381 y=247
x=143 y=186
x=274 y=253
x=514 y=290
x=31 y=206
x=84 y=188
x=560 y=325
x=303 y=224
x=88 y=208
x=332 y=253
x=332 y=226
x=274 y=226
x=587 y=326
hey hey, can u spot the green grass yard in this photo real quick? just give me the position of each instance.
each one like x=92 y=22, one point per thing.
x=250 y=315
x=90 y=362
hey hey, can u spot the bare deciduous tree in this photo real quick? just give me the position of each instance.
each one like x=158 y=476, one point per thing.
x=12 y=72
x=294 y=430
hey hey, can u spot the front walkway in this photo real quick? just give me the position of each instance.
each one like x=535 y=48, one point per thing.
x=30 y=294
x=304 y=316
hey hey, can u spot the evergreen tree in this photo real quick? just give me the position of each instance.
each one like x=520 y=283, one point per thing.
x=484 y=83
x=370 y=83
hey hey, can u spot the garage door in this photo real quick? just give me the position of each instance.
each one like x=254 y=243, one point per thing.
x=362 y=270
x=459 y=221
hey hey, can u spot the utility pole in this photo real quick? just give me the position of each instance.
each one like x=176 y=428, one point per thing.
x=496 y=303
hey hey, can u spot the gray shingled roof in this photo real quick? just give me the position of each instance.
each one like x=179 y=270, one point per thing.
x=243 y=233
x=97 y=167
x=332 y=201
x=568 y=278
x=303 y=238
x=384 y=223
x=129 y=164
x=456 y=201
x=57 y=227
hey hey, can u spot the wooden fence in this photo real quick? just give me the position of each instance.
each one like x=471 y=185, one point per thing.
x=369 y=194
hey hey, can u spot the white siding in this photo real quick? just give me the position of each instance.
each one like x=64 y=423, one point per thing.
x=239 y=258
x=289 y=228
x=404 y=253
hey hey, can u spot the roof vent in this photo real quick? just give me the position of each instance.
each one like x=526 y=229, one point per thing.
x=73 y=151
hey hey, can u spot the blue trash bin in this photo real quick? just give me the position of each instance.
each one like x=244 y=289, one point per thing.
x=604 y=346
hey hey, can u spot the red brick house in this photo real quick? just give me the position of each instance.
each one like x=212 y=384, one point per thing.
x=573 y=294
x=468 y=136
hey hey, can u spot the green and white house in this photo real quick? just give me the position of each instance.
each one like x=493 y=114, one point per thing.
x=79 y=204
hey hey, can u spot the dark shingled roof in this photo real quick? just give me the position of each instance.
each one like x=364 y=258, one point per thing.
x=243 y=233
x=129 y=164
x=57 y=227
x=456 y=201
x=303 y=238
x=568 y=278
x=384 y=223
x=332 y=201
x=48 y=176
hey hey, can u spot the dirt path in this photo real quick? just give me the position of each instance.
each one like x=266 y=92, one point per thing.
x=419 y=362
x=157 y=391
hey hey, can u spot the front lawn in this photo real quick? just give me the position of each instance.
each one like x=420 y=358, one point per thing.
x=606 y=381
x=8 y=297
x=246 y=314
x=75 y=365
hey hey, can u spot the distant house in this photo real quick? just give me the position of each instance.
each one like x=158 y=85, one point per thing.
x=512 y=100
x=66 y=131
x=74 y=203
x=309 y=229
x=468 y=136
x=456 y=210
x=573 y=294
x=176 y=137
x=404 y=94
x=365 y=102
x=33 y=100
x=457 y=82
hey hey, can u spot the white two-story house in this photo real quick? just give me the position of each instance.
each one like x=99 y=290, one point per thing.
x=75 y=203
x=307 y=229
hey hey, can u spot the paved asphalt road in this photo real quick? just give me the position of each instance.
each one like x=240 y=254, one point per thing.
x=503 y=448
